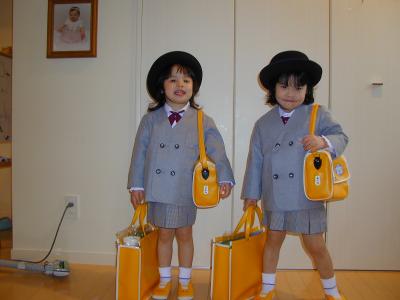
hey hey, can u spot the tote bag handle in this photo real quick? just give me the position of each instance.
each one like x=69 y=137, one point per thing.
x=247 y=220
x=140 y=214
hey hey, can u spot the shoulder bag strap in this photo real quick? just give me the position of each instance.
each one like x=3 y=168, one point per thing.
x=313 y=118
x=202 y=149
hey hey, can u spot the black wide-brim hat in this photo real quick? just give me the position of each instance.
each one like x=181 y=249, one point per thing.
x=287 y=62
x=167 y=60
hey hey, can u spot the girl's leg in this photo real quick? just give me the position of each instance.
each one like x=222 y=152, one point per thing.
x=271 y=250
x=164 y=249
x=315 y=245
x=165 y=239
x=184 y=238
x=271 y=256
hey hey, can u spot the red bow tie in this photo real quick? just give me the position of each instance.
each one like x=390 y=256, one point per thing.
x=285 y=119
x=175 y=116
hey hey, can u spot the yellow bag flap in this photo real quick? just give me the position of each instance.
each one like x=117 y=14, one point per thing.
x=318 y=177
x=340 y=169
x=205 y=191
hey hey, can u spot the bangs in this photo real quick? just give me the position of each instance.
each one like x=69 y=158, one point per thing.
x=184 y=70
x=298 y=79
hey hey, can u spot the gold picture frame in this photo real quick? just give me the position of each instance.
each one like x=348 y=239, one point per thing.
x=72 y=28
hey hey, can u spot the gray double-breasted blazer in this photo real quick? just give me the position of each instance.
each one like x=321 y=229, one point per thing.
x=274 y=171
x=163 y=157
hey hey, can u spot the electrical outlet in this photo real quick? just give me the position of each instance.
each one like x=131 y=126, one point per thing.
x=72 y=212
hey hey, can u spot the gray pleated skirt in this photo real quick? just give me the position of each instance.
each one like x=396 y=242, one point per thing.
x=308 y=221
x=170 y=215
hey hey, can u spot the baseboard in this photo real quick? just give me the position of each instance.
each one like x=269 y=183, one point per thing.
x=77 y=257
x=90 y=258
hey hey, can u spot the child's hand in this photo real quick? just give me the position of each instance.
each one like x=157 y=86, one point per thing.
x=137 y=197
x=313 y=143
x=249 y=202
x=225 y=190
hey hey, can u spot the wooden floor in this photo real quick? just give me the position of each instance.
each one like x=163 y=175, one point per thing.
x=89 y=282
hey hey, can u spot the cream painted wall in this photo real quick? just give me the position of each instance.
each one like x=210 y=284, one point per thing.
x=73 y=133
x=5 y=23
x=74 y=121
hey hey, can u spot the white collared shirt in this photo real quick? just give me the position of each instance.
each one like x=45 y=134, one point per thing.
x=169 y=110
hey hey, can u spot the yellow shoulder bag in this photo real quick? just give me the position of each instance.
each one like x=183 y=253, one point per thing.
x=325 y=179
x=205 y=186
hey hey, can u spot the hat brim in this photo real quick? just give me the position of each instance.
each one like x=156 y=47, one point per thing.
x=166 y=61
x=269 y=73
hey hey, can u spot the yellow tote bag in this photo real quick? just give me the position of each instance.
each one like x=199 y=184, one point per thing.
x=137 y=263
x=237 y=260
x=325 y=179
x=205 y=185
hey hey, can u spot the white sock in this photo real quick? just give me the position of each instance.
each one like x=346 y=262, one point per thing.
x=184 y=275
x=268 y=282
x=165 y=275
x=330 y=287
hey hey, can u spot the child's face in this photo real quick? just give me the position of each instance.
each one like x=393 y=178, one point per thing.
x=178 y=88
x=73 y=15
x=290 y=96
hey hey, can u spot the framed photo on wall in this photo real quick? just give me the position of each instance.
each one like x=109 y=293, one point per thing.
x=72 y=28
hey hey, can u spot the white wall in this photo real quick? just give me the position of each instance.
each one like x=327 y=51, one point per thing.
x=73 y=127
x=74 y=119
x=5 y=23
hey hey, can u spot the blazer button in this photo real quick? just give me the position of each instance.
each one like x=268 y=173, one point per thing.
x=176 y=146
x=276 y=147
x=172 y=173
x=162 y=145
x=291 y=143
x=275 y=176
x=291 y=175
x=158 y=171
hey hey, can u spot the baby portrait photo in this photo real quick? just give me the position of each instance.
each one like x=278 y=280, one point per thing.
x=72 y=28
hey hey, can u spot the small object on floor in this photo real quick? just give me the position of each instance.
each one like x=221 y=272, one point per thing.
x=5 y=223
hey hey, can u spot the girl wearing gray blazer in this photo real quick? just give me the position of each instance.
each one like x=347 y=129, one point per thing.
x=164 y=154
x=274 y=171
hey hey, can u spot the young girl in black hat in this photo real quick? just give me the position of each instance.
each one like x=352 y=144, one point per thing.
x=164 y=154
x=274 y=171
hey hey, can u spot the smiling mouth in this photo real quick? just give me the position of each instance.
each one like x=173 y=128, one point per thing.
x=179 y=93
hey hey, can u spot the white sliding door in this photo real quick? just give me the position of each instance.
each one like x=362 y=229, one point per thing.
x=205 y=29
x=365 y=50
x=263 y=28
